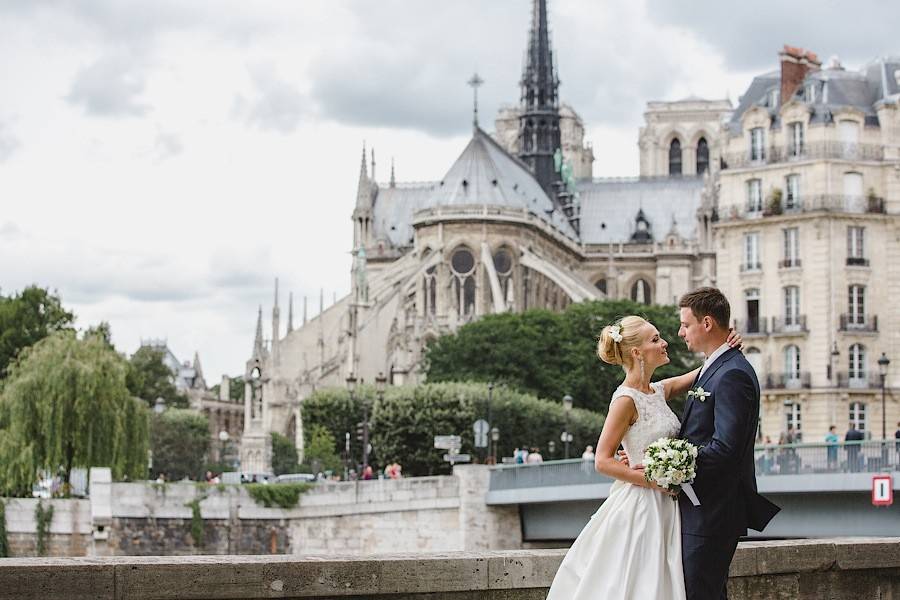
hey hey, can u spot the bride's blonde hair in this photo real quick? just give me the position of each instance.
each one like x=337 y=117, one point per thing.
x=619 y=353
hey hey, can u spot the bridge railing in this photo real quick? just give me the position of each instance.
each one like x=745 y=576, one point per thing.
x=770 y=460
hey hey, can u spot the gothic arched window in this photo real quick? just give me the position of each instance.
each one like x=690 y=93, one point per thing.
x=431 y=291
x=675 y=157
x=702 y=156
x=600 y=284
x=463 y=265
x=503 y=264
x=640 y=292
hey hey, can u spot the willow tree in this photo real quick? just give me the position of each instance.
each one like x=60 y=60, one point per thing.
x=65 y=405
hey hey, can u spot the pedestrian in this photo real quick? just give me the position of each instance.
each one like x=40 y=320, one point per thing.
x=852 y=440
x=588 y=453
x=831 y=442
x=368 y=473
x=534 y=457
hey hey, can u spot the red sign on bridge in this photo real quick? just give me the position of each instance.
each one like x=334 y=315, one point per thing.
x=882 y=490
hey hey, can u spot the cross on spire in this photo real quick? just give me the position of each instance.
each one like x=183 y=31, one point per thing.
x=475 y=82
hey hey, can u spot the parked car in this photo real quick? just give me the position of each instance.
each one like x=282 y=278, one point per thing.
x=295 y=478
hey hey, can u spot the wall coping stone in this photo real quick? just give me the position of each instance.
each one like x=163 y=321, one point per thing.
x=451 y=574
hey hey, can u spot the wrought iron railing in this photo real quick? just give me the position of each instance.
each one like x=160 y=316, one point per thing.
x=757 y=326
x=796 y=324
x=860 y=381
x=837 y=203
x=851 y=322
x=811 y=151
x=788 y=381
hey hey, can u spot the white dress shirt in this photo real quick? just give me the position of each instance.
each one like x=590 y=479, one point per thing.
x=712 y=358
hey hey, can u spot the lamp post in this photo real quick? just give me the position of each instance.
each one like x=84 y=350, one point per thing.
x=491 y=451
x=832 y=372
x=223 y=437
x=883 y=363
x=551 y=446
x=495 y=437
x=566 y=436
x=363 y=427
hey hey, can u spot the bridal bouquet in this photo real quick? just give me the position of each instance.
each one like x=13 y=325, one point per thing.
x=671 y=463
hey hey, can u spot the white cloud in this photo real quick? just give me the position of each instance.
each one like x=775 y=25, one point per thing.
x=9 y=143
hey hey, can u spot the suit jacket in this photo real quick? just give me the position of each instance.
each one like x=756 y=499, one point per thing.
x=724 y=426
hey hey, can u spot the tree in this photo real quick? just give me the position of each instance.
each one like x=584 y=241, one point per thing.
x=179 y=439
x=26 y=318
x=319 y=452
x=284 y=455
x=65 y=405
x=150 y=378
x=551 y=354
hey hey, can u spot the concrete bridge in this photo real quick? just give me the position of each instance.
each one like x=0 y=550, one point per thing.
x=823 y=491
x=804 y=570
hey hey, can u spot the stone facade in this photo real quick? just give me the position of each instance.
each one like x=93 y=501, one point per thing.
x=682 y=137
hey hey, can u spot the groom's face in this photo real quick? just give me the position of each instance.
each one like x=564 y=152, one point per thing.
x=691 y=330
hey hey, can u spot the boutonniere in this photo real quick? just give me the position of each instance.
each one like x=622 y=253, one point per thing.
x=700 y=394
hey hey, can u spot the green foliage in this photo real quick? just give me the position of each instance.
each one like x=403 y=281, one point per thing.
x=149 y=378
x=65 y=405
x=550 y=354
x=103 y=330
x=197 y=521
x=319 y=452
x=26 y=318
x=285 y=495
x=4 y=542
x=180 y=441
x=404 y=424
x=43 y=517
x=236 y=389
x=338 y=413
x=284 y=455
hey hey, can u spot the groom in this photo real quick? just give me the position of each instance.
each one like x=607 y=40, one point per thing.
x=721 y=419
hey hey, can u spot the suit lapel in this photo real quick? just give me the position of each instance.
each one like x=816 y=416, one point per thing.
x=700 y=380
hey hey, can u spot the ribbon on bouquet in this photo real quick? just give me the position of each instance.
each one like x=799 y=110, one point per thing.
x=690 y=493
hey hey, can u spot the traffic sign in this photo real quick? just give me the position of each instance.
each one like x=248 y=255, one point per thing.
x=457 y=458
x=481 y=429
x=882 y=490
x=447 y=442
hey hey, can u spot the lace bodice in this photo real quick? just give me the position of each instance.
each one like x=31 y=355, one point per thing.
x=655 y=420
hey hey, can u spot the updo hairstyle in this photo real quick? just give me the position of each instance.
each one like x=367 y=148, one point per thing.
x=619 y=353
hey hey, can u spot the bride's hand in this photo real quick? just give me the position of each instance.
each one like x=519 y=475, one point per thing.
x=734 y=339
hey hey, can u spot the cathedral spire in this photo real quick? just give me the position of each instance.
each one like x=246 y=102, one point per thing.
x=258 y=349
x=373 y=165
x=393 y=179
x=290 y=312
x=363 y=187
x=539 y=120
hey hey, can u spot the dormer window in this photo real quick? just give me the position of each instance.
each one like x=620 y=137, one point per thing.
x=811 y=93
x=642 y=230
x=773 y=98
x=795 y=139
x=757 y=144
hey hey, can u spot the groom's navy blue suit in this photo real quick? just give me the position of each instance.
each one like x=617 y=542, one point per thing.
x=723 y=425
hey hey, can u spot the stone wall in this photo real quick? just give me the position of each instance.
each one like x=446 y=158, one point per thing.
x=422 y=514
x=852 y=569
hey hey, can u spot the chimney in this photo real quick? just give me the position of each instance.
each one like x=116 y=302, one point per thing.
x=795 y=64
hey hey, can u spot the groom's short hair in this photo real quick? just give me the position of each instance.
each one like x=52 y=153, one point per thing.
x=708 y=302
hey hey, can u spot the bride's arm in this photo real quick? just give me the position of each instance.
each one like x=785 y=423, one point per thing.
x=622 y=414
x=675 y=386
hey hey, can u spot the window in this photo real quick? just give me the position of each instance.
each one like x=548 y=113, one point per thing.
x=791 y=306
x=754 y=196
x=431 y=291
x=463 y=284
x=858 y=415
x=773 y=98
x=856 y=305
x=853 y=192
x=811 y=93
x=791 y=247
x=754 y=357
x=675 y=157
x=757 y=144
x=751 y=252
x=601 y=285
x=792 y=362
x=792 y=198
x=792 y=418
x=857 y=362
x=795 y=139
x=753 y=322
x=702 y=156
x=856 y=248
x=503 y=264
x=640 y=292
x=849 y=133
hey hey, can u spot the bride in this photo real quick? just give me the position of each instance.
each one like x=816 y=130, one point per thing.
x=631 y=547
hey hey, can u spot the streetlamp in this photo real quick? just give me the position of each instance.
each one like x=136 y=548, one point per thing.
x=491 y=451
x=566 y=436
x=832 y=374
x=495 y=437
x=551 y=446
x=363 y=427
x=160 y=406
x=223 y=437
x=883 y=363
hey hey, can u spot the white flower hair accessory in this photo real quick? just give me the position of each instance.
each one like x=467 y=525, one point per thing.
x=615 y=332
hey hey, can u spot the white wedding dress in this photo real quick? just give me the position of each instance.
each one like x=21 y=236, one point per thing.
x=631 y=547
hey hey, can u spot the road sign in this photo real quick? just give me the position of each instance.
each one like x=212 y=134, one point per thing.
x=457 y=458
x=882 y=490
x=481 y=429
x=446 y=442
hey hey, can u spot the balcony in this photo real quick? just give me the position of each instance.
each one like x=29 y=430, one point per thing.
x=795 y=325
x=859 y=381
x=859 y=323
x=834 y=203
x=788 y=381
x=857 y=261
x=751 y=267
x=813 y=151
x=790 y=263
x=752 y=327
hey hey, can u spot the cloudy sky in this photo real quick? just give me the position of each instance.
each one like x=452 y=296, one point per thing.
x=161 y=162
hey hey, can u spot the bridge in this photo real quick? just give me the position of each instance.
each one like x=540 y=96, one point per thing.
x=823 y=490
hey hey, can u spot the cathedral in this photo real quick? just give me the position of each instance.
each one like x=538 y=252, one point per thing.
x=807 y=165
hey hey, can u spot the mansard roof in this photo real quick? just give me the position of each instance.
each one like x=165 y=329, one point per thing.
x=484 y=174
x=610 y=207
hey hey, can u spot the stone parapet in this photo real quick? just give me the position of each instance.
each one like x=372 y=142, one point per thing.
x=804 y=570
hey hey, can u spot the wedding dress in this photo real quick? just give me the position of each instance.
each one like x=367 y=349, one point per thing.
x=631 y=547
